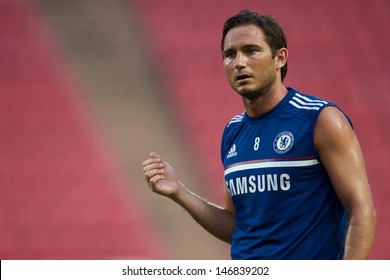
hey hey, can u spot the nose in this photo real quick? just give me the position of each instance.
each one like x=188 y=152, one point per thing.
x=240 y=61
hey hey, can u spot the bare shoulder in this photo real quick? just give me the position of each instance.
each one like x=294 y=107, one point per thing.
x=340 y=153
x=332 y=129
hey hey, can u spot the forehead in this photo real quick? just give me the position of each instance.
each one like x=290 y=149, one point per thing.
x=244 y=35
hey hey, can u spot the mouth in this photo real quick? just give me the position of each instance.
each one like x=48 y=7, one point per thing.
x=242 y=77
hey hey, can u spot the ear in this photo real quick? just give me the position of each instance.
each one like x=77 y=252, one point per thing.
x=281 y=58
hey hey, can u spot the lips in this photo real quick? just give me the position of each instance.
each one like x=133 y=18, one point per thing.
x=242 y=77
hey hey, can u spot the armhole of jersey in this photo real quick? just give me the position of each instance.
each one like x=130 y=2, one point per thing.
x=222 y=149
x=315 y=123
x=234 y=120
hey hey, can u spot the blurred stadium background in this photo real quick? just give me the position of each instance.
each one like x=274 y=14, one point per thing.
x=89 y=88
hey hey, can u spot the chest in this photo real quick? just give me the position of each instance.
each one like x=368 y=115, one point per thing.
x=273 y=139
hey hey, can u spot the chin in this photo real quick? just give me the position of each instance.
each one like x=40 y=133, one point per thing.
x=249 y=94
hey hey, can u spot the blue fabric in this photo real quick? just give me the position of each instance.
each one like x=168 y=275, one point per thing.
x=286 y=207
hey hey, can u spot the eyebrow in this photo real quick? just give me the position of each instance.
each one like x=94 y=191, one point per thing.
x=243 y=47
x=252 y=46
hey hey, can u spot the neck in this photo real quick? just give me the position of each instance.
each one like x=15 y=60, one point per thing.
x=264 y=102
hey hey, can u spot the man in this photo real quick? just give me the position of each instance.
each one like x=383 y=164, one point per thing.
x=296 y=185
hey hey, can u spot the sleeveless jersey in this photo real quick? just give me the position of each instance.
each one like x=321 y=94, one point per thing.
x=286 y=207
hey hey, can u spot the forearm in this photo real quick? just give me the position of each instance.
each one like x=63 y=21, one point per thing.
x=162 y=179
x=217 y=220
x=360 y=234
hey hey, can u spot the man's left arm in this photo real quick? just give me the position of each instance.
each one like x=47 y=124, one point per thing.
x=341 y=155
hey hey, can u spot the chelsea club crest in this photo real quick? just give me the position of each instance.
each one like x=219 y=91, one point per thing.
x=283 y=142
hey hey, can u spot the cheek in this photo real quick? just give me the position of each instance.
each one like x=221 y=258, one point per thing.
x=264 y=70
x=229 y=73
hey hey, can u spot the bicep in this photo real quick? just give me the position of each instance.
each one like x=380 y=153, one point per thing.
x=341 y=155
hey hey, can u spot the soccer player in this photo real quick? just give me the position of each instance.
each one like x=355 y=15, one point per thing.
x=296 y=185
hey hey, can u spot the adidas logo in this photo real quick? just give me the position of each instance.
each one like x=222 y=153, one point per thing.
x=232 y=152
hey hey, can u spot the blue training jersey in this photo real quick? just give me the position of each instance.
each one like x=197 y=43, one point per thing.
x=286 y=207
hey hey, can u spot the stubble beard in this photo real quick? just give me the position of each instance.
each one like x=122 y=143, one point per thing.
x=261 y=91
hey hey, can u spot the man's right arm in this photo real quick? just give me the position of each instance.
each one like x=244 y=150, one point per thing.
x=162 y=179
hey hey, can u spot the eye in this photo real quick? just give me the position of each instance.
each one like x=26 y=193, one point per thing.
x=251 y=51
x=228 y=57
x=229 y=54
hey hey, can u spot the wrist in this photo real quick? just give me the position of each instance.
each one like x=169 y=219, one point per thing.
x=179 y=195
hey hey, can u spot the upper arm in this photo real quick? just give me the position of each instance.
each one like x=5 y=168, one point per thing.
x=340 y=153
